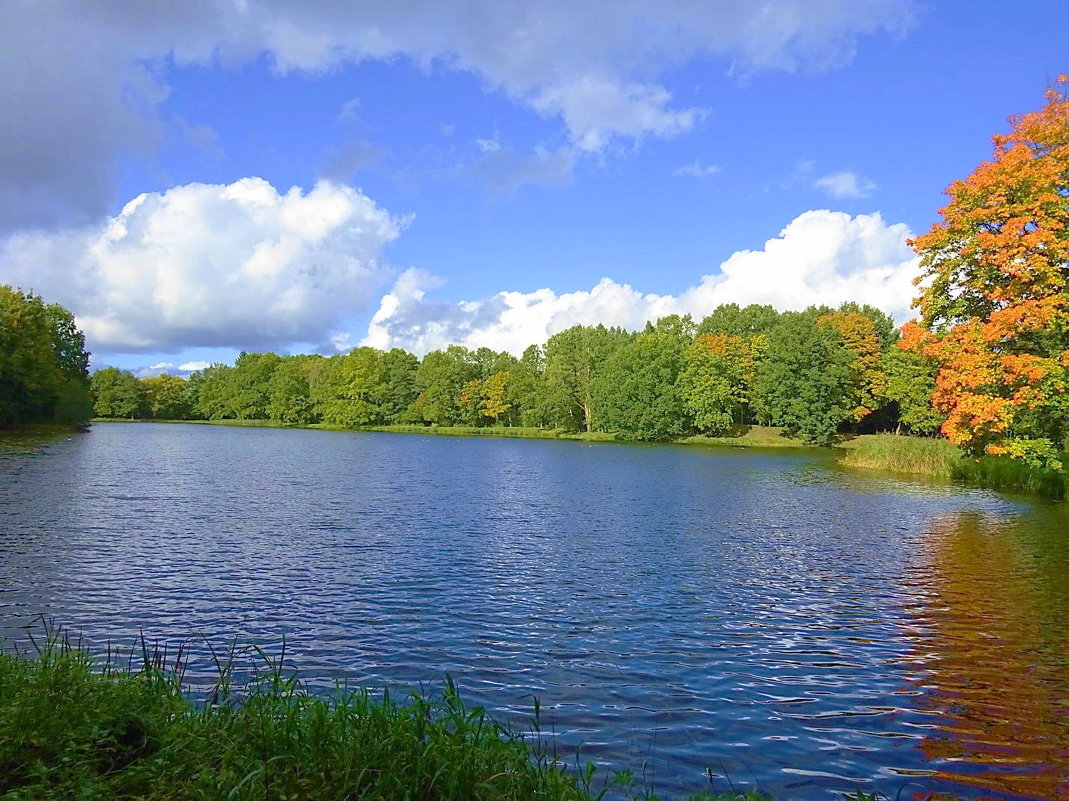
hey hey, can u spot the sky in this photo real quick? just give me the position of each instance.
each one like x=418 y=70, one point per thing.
x=196 y=179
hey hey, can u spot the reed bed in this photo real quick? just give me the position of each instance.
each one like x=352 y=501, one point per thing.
x=900 y=454
x=1009 y=475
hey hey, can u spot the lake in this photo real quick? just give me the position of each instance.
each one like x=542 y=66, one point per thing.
x=710 y=618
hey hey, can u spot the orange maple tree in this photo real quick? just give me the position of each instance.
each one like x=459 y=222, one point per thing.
x=994 y=299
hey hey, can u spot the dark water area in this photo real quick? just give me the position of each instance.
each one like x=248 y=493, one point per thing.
x=708 y=618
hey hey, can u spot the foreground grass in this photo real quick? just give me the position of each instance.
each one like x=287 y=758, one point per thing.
x=73 y=728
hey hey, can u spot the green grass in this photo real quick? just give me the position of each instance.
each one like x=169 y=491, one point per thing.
x=934 y=456
x=239 y=423
x=743 y=437
x=749 y=437
x=71 y=727
x=1010 y=475
x=901 y=454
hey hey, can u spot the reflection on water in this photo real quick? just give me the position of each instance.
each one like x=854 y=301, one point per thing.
x=997 y=650
x=709 y=618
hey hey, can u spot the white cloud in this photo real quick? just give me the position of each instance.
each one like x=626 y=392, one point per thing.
x=86 y=85
x=696 y=170
x=845 y=185
x=821 y=257
x=161 y=366
x=235 y=265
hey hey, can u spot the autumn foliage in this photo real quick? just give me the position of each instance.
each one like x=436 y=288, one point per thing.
x=994 y=299
x=859 y=337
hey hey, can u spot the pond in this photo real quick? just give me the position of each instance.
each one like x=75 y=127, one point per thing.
x=710 y=618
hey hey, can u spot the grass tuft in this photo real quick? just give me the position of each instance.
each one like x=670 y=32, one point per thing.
x=901 y=454
x=1011 y=475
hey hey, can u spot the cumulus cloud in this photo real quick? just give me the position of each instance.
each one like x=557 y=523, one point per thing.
x=82 y=85
x=192 y=367
x=237 y=265
x=821 y=257
x=696 y=170
x=845 y=185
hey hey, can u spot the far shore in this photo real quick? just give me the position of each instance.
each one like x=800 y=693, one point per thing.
x=932 y=457
x=748 y=437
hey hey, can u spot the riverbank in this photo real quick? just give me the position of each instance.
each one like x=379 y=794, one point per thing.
x=930 y=456
x=748 y=436
x=71 y=727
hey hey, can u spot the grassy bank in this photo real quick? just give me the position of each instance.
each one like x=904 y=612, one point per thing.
x=1009 y=475
x=745 y=437
x=39 y=429
x=73 y=728
x=936 y=457
x=927 y=456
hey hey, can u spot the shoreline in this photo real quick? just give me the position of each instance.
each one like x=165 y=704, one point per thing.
x=900 y=454
x=766 y=437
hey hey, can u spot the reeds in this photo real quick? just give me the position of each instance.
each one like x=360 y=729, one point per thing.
x=901 y=454
x=1002 y=473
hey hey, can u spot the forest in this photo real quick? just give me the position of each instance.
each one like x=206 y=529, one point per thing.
x=814 y=373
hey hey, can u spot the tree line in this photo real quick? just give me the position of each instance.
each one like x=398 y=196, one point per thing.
x=44 y=367
x=815 y=373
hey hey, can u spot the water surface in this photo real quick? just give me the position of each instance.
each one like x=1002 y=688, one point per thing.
x=707 y=617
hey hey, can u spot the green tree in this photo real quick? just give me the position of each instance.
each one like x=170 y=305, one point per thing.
x=214 y=396
x=249 y=382
x=343 y=388
x=288 y=394
x=525 y=388
x=910 y=380
x=73 y=403
x=714 y=382
x=117 y=393
x=635 y=393
x=573 y=358
x=440 y=380
x=166 y=397
x=731 y=320
x=43 y=362
x=805 y=383
x=395 y=393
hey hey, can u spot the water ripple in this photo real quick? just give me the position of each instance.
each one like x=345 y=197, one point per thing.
x=707 y=618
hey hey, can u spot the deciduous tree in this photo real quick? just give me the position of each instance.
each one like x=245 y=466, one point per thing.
x=714 y=382
x=994 y=292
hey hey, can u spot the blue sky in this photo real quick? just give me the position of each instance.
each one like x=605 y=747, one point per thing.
x=482 y=167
